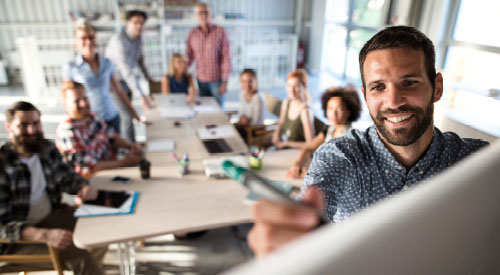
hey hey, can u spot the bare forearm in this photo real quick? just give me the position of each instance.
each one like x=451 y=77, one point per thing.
x=295 y=144
x=31 y=233
x=106 y=165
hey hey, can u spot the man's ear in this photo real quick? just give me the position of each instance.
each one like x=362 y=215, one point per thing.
x=363 y=91
x=438 y=87
x=7 y=126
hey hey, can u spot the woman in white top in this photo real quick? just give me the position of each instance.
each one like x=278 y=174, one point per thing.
x=252 y=106
x=342 y=106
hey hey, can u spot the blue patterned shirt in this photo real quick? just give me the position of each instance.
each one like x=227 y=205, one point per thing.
x=357 y=170
x=97 y=85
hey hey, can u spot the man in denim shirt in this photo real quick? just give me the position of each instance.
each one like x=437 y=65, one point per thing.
x=400 y=87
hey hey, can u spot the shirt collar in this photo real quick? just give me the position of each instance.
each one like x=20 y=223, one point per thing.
x=79 y=59
x=209 y=25
x=388 y=162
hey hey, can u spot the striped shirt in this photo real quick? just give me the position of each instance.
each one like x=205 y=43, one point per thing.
x=357 y=170
x=210 y=52
x=84 y=143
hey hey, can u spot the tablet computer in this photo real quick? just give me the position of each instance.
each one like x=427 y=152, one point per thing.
x=113 y=199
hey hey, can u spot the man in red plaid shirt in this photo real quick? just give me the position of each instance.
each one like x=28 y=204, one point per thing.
x=207 y=45
x=85 y=140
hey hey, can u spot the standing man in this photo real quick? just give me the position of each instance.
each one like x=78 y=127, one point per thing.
x=32 y=178
x=348 y=174
x=126 y=51
x=208 y=46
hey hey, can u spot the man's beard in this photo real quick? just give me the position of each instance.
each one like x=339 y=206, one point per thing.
x=29 y=143
x=408 y=135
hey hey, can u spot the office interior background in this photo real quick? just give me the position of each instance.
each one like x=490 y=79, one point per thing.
x=271 y=36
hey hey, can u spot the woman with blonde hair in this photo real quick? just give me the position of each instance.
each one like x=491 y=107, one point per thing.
x=97 y=74
x=178 y=80
x=294 y=127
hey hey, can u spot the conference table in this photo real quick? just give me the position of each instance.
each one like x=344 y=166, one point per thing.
x=169 y=202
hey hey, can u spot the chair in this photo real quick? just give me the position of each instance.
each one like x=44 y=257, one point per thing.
x=273 y=104
x=52 y=257
x=259 y=135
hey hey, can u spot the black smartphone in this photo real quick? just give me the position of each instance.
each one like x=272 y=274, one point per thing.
x=120 y=179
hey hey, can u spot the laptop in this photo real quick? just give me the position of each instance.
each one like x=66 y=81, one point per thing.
x=216 y=146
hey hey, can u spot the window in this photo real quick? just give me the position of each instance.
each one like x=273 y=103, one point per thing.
x=471 y=63
x=348 y=25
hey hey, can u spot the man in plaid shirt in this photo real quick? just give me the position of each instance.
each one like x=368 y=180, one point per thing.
x=32 y=178
x=85 y=140
x=208 y=46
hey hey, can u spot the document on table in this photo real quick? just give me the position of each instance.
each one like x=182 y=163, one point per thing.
x=177 y=112
x=216 y=132
x=206 y=108
x=161 y=145
x=213 y=166
x=91 y=210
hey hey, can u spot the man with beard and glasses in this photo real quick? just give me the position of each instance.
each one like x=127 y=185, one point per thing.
x=85 y=140
x=348 y=174
x=32 y=178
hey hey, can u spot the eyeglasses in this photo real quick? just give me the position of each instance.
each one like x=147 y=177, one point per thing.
x=88 y=37
x=203 y=12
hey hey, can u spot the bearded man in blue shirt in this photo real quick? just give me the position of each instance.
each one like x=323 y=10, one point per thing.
x=348 y=174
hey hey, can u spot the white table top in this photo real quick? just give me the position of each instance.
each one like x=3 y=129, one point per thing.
x=169 y=202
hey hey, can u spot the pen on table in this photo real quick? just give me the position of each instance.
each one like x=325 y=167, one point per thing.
x=175 y=157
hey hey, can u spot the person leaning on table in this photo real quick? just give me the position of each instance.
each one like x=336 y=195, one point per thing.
x=87 y=142
x=97 y=74
x=32 y=178
x=348 y=174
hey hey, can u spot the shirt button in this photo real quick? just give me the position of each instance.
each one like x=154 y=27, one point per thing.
x=399 y=167
x=386 y=171
x=421 y=172
x=405 y=187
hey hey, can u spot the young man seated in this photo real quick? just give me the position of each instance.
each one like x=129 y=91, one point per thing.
x=32 y=178
x=85 y=140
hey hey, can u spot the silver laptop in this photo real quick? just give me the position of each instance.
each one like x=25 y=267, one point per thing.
x=171 y=100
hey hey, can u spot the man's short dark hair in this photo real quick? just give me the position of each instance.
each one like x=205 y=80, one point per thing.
x=348 y=96
x=19 y=106
x=251 y=72
x=401 y=37
x=133 y=13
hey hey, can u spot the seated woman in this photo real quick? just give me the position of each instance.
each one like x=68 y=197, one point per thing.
x=252 y=105
x=342 y=106
x=178 y=80
x=294 y=127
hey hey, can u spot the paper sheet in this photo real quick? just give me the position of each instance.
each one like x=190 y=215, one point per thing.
x=220 y=131
x=176 y=112
x=161 y=145
x=206 y=108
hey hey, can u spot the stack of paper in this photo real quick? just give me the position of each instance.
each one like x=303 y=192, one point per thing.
x=216 y=132
x=161 y=145
x=213 y=166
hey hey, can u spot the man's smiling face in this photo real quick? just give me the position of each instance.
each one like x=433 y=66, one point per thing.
x=399 y=94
